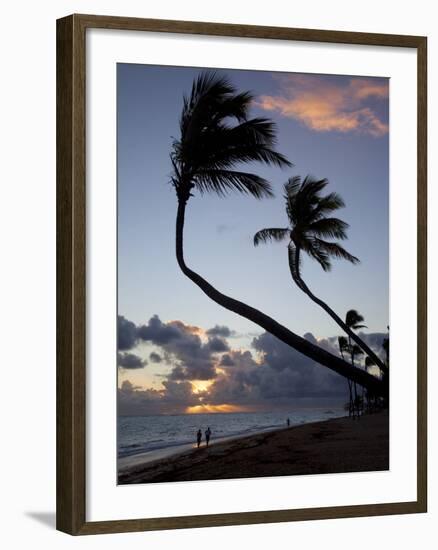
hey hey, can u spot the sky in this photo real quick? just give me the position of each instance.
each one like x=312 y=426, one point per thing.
x=179 y=352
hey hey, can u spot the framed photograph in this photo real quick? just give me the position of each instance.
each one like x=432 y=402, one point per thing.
x=241 y=274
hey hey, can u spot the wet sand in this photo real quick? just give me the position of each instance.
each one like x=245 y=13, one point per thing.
x=332 y=446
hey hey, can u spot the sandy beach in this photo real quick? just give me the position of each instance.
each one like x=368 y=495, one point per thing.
x=331 y=446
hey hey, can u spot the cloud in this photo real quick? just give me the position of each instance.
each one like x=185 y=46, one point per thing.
x=309 y=378
x=128 y=386
x=126 y=333
x=275 y=376
x=193 y=357
x=158 y=332
x=375 y=341
x=226 y=361
x=329 y=344
x=174 y=398
x=326 y=105
x=239 y=359
x=220 y=330
x=130 y=361
x=206 y=371
x=217 y=345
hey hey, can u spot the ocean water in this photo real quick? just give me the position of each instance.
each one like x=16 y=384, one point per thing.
x=149 y=434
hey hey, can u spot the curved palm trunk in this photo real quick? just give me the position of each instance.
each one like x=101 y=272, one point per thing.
x=302 y=285
x=267 y=323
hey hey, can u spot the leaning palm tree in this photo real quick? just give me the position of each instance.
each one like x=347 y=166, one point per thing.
x=310 y=225
x=217 y=136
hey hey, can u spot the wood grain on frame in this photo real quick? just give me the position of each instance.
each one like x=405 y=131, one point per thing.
x=71 y=266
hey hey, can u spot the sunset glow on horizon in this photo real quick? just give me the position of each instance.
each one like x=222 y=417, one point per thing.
x=212 y=409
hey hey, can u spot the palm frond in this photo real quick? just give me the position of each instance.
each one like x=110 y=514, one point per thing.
x=302 y=197
x=270 y=234
x=256 y=130
x=322 y=258
x=229 y=155
x=311 y=187
x=335 y=250
x=224 y=181
x=353 y=319
x=343 y=343
x=255 y=137
x=292 y=185
x=208 y=90
x=329 y=203
x=315 y=251
x=329 y=227
x=223 y=147
x=217 y=136
x=236 y=107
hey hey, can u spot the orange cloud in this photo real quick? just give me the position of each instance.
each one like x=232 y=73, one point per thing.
x=326 y=106
x=191 y=329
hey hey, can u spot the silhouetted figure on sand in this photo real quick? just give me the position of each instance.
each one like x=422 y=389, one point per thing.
x=207 y=435
x=288 y=422
x=199 y=437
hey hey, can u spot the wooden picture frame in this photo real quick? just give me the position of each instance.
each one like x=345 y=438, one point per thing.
x=71 y=273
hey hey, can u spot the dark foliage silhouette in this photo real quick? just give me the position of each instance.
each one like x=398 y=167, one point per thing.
x=216 y=137
x=344 y=348
x=311 y=230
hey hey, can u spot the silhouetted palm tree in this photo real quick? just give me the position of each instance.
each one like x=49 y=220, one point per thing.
x=355 y=351
x=345 y=348
x=370 y=398
x=310 y=225
x=354 y=320
x=217 y=135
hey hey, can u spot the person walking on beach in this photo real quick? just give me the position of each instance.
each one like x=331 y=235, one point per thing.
x=207 y=435
x=288 y=422
x=199 y=437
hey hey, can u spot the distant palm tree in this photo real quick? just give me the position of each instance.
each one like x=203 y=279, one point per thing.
x=217 y=136
x=369 y=364
x=310 y=225
x=345 y=348
x=354 y=320
x=355 y=351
